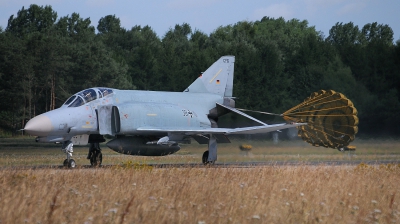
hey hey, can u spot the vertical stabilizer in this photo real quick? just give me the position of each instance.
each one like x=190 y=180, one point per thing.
x=218 y=78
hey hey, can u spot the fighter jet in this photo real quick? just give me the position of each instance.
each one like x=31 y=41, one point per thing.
x=148 y=123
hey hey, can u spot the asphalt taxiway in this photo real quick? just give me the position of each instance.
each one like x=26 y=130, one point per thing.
x=221 y=165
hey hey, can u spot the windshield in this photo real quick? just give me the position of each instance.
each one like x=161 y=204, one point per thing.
x=87 y=95
x=70 y=100
x=78 y=102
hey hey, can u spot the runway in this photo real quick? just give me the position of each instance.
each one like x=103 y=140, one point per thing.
x=217 y=165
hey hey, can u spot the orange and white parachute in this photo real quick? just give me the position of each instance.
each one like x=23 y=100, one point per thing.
x=331 y=117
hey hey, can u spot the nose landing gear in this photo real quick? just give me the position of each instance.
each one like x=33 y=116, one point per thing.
x=68 y=148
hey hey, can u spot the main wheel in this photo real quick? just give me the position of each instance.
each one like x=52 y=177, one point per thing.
x=71 y=163
x=205 y=158
x=65 y=163
x=96 y=158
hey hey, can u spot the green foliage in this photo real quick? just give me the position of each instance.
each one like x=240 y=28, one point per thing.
x=33 y=19
x=109 y=24
x=374 y=63
x=44 y=60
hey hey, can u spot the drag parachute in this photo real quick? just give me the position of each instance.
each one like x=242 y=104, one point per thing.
x=331 y=117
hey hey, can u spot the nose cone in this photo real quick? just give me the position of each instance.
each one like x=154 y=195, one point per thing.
x=39 y=126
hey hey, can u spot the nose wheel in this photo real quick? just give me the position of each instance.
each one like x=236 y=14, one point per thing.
x=70 y=164
x=68 y=148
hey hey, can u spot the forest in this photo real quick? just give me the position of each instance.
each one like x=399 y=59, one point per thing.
x=44 y=59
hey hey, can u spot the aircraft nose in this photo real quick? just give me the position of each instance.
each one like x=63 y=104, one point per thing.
x=39 y=126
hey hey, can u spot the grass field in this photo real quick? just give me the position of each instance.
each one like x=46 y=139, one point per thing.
x=131 y=193
x=273 y=194
x=24 y=151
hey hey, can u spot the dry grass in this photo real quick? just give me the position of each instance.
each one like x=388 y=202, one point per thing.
x=287 y=194
x=142 y=194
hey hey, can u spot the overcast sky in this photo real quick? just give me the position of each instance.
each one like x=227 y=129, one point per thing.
x=207 y=15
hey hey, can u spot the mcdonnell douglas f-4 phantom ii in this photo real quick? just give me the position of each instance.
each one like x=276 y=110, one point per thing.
x=148 y=123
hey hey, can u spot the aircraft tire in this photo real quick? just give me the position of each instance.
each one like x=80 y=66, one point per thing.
x=71 y=163
x=96 y=158
x=65 y=163
x=205 y=158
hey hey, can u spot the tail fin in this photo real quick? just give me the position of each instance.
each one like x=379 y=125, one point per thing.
x=218 y=78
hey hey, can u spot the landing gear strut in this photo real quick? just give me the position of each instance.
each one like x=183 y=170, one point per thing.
x=68 y=148
x=210 y=156
x=95 y=156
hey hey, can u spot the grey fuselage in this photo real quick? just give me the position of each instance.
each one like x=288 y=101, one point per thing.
x=135 y=109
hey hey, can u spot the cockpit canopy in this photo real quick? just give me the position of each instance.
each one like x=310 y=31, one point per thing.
x=87 y=95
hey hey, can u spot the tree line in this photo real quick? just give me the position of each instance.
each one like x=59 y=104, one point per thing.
x=45 y=59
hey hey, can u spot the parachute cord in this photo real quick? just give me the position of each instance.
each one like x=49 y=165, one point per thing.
x=260 y=112
x=315 y=138
x=328 y=102
x=319 y=115
x=330 y=143
x=309 y=101
x=323 y=123
x=315 y=123
x=319 y=128
x=301 y=113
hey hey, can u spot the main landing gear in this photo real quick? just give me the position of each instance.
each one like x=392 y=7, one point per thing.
x=210 y=156
x=205 y=158
x=68 y=148
x=95 y=156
